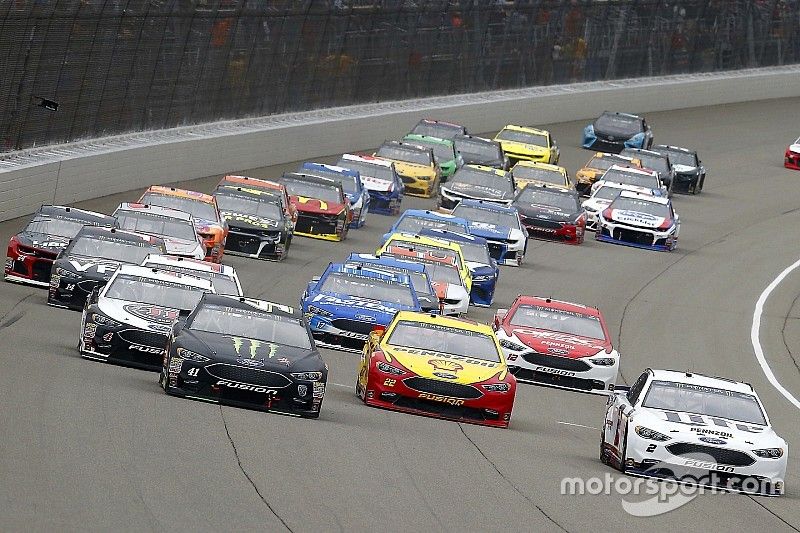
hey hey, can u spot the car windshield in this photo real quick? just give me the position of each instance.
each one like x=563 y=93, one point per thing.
x=441 y=152
x=414 y=224
x=57 y=227
x=631 y=178
x=308 y=189
x=437 y=271
x=349 y=184
x=265 y=208
x=436 y=251
x=171 y=294
x=523 y=137
x=418 y=279
x=368 y=169
x=618 y=124
x=538 y=317
x=145 y=222
x=679 y=157
x=607 y=161
x=477 y=253
x=437 y=129
x=606 y=193
x=638 y=205
x=482 y=179
x=445 y=339
x=657 y=163
x=486 y=216
x=123 y=251
x=701 y=400
x=369 y=288
x=408 y=154
x=222 y=283
x=197 y=208
x=539 y=174
x=538 y=196
x=235 y=322
x=482 y=149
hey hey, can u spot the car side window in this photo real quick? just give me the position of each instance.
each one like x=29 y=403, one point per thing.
x=636 y=389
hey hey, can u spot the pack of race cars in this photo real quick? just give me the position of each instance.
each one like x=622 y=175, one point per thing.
x=154 y=294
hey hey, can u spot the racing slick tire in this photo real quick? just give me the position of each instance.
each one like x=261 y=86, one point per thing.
x=603 y=452
x=623 y=454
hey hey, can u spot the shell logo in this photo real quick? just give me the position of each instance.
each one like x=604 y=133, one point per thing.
x=445 y=365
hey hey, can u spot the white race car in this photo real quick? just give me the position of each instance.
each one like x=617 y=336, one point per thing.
x=602 y=198
x=641 y=177
x=223 y=277
x=639 y=220
x=703 y=430
x=177 y=228
x=556 y=343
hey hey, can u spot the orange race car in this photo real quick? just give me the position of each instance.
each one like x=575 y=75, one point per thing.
x=596 y=167
x=278 y=188
x=203 y=207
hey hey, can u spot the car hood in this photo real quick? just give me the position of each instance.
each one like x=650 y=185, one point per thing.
x=413 y=169
x=180 y=246
x=520 y=148
x=243 y=220
x=704 y=430
x=478 y=191
x=636 y=218
x=372 y=183
x=139 y=315
x=544 y=212
x=795 y=148
x=443 y=366
x=317 y=206
x=347 y=306
x=96 y=269
x=248 y=352
x=476 y=159
x=42 y=241
x=490 y=231
x=556 y=343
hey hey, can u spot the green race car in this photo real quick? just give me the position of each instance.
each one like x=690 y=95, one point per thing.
x=444 y=152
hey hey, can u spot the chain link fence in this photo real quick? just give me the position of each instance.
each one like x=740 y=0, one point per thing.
x=76 y=69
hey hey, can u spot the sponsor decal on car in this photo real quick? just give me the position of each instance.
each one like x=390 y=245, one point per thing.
x=439 y=398
x=556 y=371
x=246 y=387
x=146 y=349
x=245 y=346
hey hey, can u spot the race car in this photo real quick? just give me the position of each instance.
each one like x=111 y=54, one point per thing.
x=447 y=282
x=323 y=211
x=560 y=344
x=129 y=321
x=437 y=366
x=31 y=252
x=653 y=160
x=501 y=226
x=473 y=182
x=267 y=187
x=175 y=227
x=416 y=166
x=203 y=207
x=482 y=267
x=222 y=277
x=347 y=302
x=258 y=227
x=479 y=151
x=639 y=220
x=638 y=177
x=791 y=158
x=420 y=280
x=380 y=179
x=444 y=152
x=415 y=220
x=698 y=429
x=246 y=353
x=602 y=198
x=612 y=132
x=353 y=189
x=597 y=166
x=688 y=171
x=438 y=128
x=92 y=258
x=521 y=143
x=551 y=213
x=446 y=250
x=531 y=172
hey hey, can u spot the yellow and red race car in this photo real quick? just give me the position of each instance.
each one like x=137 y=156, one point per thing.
x=415 y=165
x=597 y=166
x=533 y=173
x=203 y=207
x=437 y=366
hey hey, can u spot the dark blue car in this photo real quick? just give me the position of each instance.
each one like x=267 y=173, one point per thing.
x=613 y=132
x=500 y=226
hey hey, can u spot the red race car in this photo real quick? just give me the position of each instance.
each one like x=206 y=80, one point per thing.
x=792 y=157
x=323 y=211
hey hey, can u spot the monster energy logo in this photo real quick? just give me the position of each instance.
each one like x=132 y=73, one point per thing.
x=252 y=347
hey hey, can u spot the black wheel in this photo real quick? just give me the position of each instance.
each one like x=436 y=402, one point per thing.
x=623 y=454
x=603 y=451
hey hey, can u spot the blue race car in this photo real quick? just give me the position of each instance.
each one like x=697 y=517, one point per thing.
x=500 y=226
x=381 y=180
x=418 y=273
x=612 y=132
x=347 y=303
x=353 y=188
x=483 y=268
x=415 y=220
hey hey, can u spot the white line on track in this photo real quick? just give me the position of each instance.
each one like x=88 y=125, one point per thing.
x=343 y=386
x=576 y=425
x=754 y=333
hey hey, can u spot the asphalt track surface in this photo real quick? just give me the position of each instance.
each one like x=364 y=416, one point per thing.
x=91 y=446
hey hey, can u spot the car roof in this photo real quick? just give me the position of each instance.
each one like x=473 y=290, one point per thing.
x=488 y=170
x=181 y=193
x=475 y=138
x=634 y=170
x=73 y=213
x=121 y=234
x=312 y=166
x=164 y=275
x=389 y=262
x=489 y=206
x=441 y=122
x=623 y=186
x=431 y=215
x=369 y=273
x=249 y=304
x=453 y=322
x=231 y=179
x=420 y=255
x=444 y=234
x=523 y=299
x=418 y=137
x=155 y=209
x=642 y=151
x=310 y=178
x=525 y=129
x=189 y=263
x=412 y=146
x=369 y=159
x=702 y=380
x=644 y=196
x=617 y=113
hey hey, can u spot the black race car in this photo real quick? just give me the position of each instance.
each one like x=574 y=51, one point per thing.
x=91 y=259
x=475 y=182
x=612 y=132
x=438 y=128
x=128 y=321
x=552 y=213
x=660 y=162
x=258 y=226
x=248 y=353
x=31 y=252
x=689 y=173
x=479 y=151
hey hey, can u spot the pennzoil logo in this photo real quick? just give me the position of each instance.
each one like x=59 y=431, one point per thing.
x=249 y=347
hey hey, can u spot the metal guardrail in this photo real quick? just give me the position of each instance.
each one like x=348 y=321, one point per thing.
x=82 y=69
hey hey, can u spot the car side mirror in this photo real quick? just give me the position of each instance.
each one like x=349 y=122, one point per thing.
x=315 y=279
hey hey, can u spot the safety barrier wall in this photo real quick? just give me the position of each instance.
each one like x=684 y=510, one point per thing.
x=78 y=69
x=79 y=171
